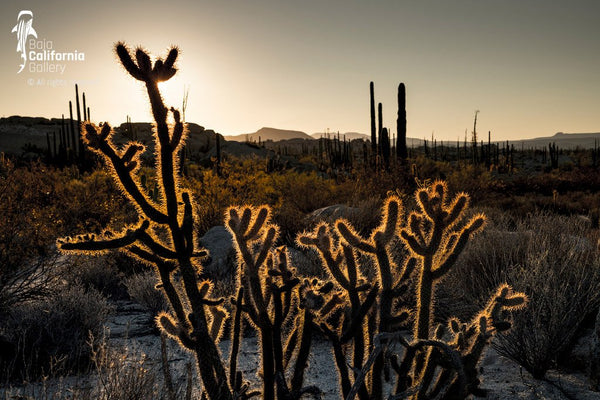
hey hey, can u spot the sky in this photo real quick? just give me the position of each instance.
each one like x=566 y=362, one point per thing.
x=531 y=67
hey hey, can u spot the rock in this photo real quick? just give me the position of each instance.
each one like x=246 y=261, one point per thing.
x=332 y=213
x=222 y=257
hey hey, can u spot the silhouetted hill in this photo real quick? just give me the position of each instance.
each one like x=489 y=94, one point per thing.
x=562 y=140
x=269 y=134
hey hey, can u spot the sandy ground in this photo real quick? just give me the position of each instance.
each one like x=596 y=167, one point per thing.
x=503 y=378
x=131 y=332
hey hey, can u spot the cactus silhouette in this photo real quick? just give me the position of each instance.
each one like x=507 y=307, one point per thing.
x=197 y=320
x=401 y=150
x=430 y=367
x=271 y=295
x=354 y=314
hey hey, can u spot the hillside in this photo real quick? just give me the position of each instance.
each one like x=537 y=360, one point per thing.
x=562 y=140
x=269 y=134
x=17 y=131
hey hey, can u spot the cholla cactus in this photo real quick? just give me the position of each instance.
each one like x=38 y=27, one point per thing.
x=436 y=235
x=271 y=297
x=196 y=321
x=430 y=367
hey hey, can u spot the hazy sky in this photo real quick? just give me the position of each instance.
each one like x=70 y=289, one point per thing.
x=532 y=68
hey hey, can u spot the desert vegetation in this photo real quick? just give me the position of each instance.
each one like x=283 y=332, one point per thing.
x=432 y=263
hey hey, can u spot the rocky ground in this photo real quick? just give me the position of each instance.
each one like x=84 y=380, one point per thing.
x=131 y=333
x=504 y=379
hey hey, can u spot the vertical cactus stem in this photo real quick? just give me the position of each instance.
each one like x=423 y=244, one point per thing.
x=351 y=269
x=219 y=315
x=236 y=331
x=269 y=240
x=260 y=220
x=188 y=223
x=391 y=218
x=177 y=130
x=244 y=221
x=305 y=333
x=424 y=202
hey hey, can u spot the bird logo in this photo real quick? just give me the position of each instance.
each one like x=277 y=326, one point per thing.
x=24 y=29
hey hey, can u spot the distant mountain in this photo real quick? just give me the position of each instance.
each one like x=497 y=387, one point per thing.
x=347 y=135
x=269 y=134
x=562 y=140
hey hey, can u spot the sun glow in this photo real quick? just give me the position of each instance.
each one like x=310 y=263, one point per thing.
x=172 y=92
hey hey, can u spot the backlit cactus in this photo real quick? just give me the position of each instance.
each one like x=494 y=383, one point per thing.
x=360 y=318
x=439 y=362
x=197 y=320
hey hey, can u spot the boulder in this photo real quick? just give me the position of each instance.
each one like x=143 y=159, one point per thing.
x=222 y=257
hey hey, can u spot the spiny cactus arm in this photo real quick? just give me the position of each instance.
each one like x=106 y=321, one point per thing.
x=456 y=209
x=505 y=299
x=278 y=319
x=85 y=243
x=351 y=268
x=174 y=330
x=123 y=168
x=238 y=226
x=415 y=227
x=413 y=243
x=143 y=71
x=350 y=235
x=424 y=201
x=269 y=240
x=320 y=239
x=261 y=219
x=128 y=63
x=157 y=248
x=391 y=217
x=288 y=278
x=305 y=333
x=146 y=256
x=475 y=225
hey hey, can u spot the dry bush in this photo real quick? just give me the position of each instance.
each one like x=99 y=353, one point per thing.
x=142 y=288
x=37 y=204
x=554 y=261
x=100 y=273
x=123 y=374
x=52 y=332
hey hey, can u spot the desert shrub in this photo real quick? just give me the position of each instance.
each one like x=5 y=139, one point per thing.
x=124 y=374
x=553 y=261
x=52 y=332
x=99 y=273
x=37 y=204
x=142 y=288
